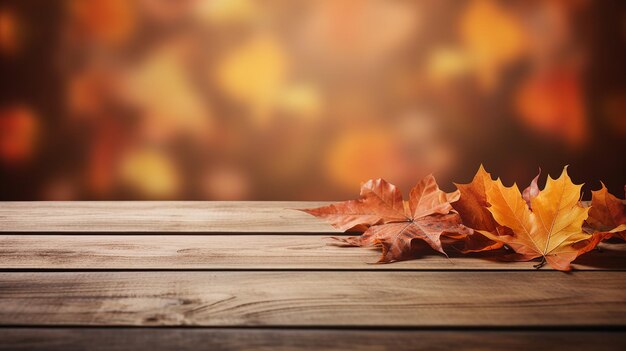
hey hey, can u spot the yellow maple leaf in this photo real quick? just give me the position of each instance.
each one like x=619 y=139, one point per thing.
x=552 y=230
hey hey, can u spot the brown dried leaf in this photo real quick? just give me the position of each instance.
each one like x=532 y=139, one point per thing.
x=607 y=213
x=472 y=207
x=390 y=222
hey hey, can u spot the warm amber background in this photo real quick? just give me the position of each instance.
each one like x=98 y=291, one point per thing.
x=260 y=100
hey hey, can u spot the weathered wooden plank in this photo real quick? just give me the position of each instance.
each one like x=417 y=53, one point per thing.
x=417 y=299
x=96 y=339
x=242 y=252
x=160 y=216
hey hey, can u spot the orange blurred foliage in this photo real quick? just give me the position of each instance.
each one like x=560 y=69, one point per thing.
x=163 y=90
x=493 y=37
x=9 y=35
x=19 y=129
x=357 y=34
x=150 y=173
x=410 y=147
x=226 y=183
x=278 y=99
x=552 y=104
x=110 y=22
x=255 y=74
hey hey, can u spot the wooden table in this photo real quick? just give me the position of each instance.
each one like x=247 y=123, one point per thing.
x=260 y=275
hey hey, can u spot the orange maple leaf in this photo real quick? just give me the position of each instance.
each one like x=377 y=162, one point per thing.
x=607 y=214
x=552 y=230
x=472 y=207
x=392 y=223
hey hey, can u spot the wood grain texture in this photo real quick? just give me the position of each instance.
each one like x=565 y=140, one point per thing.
x=416 y=299
x=97 y=339
x=244 y=252
x=161 y=216
x=273 y=278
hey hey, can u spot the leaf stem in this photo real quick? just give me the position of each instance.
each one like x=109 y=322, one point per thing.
x=540 y=264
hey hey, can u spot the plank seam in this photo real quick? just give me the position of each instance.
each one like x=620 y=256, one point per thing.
x=520 y=328
x=381 y=270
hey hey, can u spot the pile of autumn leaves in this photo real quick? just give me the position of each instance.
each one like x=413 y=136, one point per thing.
x=550 y=224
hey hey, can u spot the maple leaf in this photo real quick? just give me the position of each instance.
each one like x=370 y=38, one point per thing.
x=472 y=207
x=392 y=223
x=607 y=214
x=552 y=230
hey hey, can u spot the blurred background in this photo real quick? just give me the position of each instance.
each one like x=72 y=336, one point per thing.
x=303 y=100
